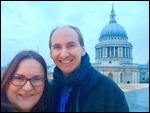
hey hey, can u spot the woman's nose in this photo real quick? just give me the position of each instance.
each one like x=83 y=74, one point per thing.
x=27 y=86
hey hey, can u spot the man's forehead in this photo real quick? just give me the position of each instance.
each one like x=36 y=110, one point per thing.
x=65 y=30
x=65 y=33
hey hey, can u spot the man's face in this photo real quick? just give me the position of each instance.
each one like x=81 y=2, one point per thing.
x=66 y=50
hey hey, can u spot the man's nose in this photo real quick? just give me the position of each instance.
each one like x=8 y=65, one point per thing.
x=64 y=53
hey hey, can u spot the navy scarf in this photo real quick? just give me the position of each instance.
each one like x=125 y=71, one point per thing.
x=79 y=78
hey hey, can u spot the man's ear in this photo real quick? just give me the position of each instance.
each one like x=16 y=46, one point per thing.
x=83 y=51
x=50 y=54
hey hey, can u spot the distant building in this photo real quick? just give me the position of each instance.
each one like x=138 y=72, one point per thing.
x=114 y=55
x=3 y=69
x=50 y=69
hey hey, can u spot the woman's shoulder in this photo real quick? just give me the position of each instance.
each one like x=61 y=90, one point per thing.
x=4 y=109
x=7 y=109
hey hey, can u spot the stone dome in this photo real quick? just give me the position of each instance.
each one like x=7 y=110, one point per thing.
x=113 y=28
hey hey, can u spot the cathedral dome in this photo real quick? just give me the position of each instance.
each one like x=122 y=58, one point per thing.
x=113 y=28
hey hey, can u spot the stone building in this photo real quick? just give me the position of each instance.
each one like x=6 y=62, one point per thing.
x=114 y=55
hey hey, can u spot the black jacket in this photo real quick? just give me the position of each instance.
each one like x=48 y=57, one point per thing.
x=90 y=91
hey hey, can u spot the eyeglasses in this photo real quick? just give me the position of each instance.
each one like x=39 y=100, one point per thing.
x=20 y=81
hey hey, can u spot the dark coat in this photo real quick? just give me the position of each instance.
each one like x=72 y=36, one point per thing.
x=90 y=91
x=103 y=95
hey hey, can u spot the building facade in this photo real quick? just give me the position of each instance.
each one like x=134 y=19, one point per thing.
x=114 y=55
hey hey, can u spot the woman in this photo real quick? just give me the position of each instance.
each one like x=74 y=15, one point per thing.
x=24 y=84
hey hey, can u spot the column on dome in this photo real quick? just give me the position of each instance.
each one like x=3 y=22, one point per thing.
x=131 y=52
x=99 y=52
x=110 y=51
x=120 y=51
x=124 y=51
x=128 y=52
x=114 y=51
x=105 y=52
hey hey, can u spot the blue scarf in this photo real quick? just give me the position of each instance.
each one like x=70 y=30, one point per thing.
x=75 y=81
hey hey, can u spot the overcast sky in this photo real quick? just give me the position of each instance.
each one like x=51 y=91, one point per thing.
x=27 y=25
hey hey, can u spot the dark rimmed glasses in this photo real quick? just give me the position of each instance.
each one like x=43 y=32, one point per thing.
x=20 y=81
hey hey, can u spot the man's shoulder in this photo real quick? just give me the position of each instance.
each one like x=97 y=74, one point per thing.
x=99 y=76
x=103 y=80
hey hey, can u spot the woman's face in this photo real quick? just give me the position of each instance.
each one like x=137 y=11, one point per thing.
x=25 y=97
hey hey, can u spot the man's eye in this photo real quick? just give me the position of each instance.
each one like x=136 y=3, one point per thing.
x=56 y=47
x=71 y=46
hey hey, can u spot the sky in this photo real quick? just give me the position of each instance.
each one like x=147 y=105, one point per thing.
x=26 y=25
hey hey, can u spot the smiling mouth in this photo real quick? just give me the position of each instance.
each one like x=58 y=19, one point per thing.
x=26 y=95
x=66 y=61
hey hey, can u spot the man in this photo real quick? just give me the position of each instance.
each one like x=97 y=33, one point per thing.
x=77 y=86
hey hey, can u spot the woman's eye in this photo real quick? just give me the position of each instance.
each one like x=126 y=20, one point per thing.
x=19 y=78
x=37 y=79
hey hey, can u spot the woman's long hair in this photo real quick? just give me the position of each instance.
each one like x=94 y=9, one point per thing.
x=42 y=104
